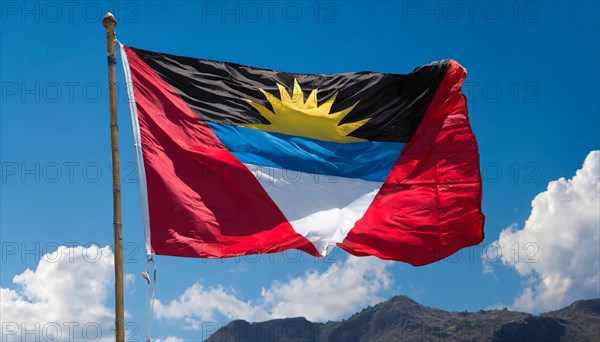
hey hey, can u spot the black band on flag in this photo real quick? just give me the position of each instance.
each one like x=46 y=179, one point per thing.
x=395 y=103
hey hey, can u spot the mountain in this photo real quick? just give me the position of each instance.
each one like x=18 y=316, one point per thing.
x=402 y=319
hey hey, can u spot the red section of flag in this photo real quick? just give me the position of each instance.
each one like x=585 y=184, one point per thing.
x=430 y=205
x=203 y=202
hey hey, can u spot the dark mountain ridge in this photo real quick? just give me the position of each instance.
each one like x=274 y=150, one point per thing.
x=402 y=319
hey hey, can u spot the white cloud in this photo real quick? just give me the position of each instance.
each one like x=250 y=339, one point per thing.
x=340 y=290
x=198 y=304
x=62 y=299
x=558 y=249
x=332 y=294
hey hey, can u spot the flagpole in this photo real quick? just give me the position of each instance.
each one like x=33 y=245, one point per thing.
x=109 y=22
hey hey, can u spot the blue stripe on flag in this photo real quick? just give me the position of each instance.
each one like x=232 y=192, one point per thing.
x=371 y=160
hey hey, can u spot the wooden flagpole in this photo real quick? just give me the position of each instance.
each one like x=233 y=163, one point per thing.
x=109 y=24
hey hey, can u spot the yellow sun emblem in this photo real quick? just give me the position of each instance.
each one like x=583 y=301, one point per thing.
x=293 y=116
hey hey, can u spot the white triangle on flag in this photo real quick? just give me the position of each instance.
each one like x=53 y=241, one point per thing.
x=321 y=208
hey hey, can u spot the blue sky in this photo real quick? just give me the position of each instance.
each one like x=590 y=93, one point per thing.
x=532 y=87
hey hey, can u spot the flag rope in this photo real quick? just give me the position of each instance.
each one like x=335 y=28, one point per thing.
x=149 y=301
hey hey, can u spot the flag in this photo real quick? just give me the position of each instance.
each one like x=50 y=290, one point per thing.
x=236 y=160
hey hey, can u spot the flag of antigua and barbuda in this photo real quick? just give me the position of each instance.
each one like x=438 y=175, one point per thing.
x=238 y=160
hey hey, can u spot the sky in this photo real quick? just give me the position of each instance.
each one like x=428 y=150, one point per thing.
x=533 y=97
